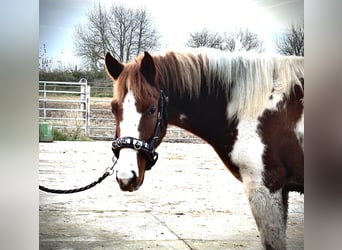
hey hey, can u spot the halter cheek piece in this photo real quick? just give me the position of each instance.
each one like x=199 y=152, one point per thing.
x=141 y=146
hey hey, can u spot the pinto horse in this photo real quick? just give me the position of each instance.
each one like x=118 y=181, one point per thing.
x=249 y=107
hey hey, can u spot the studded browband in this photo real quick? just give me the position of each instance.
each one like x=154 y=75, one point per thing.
x=141 y=146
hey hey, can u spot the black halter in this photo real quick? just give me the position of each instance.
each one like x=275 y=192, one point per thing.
x=141 y=146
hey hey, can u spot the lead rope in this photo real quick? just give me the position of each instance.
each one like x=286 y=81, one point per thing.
x=109 y=171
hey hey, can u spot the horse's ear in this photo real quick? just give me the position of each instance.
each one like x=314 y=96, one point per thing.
x=114 y=67
x=148 y=68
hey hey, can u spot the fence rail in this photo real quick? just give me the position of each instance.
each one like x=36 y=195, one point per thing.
x=75 y=105
x=65 y=112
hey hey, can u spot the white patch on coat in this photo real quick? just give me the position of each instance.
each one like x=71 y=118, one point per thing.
x=247 y=152
x=266 y=207
x=299 y=130
x=127 y=161
x=272 y=103
x=182 y=117
x=130 y=117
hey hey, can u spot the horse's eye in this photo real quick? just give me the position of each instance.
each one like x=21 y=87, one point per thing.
x=152 y=111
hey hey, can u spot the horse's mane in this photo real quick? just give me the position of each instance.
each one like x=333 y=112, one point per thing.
x=248 y=78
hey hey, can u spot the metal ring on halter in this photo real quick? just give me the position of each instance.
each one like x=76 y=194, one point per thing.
x=110 y=170
x=137 y=145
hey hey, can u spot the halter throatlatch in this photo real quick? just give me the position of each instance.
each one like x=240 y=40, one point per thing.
x=141 y=146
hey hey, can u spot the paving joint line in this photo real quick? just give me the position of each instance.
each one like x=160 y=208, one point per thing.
x=173 y=232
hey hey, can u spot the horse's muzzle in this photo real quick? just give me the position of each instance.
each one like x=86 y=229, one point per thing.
x=129 y=184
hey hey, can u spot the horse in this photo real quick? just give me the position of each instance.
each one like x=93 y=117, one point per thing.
x=249 y=107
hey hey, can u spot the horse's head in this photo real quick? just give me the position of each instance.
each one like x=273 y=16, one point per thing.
x=139 y=107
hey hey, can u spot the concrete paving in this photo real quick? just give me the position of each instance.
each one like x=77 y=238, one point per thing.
x=189 y=200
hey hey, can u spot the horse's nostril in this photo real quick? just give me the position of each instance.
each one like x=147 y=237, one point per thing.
x=134 y=175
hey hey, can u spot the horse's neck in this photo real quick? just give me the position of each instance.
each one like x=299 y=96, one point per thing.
x=204 y=116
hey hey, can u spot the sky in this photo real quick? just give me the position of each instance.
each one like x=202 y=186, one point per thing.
x=174 y=19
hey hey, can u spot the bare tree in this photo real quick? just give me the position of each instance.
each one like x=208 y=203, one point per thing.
x=125 y=32
x=45 y=62
x=133 y=32
x=292 y=41
x=205 y=39
x=91 y=39
x=243 y=40
x=234 y=41
x=146 y=34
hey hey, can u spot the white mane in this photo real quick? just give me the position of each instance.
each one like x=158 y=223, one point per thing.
x=250 y=78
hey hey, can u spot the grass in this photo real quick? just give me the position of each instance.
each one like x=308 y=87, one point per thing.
x=75 y=133
x=69 y=135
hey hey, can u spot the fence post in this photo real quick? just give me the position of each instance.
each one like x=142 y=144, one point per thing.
x=84 y=104
x=44 y=103
x=87 y=109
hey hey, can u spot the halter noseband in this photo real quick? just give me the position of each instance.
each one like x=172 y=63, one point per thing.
x=141 y=146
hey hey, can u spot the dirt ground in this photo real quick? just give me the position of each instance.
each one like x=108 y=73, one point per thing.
x=189 y=200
